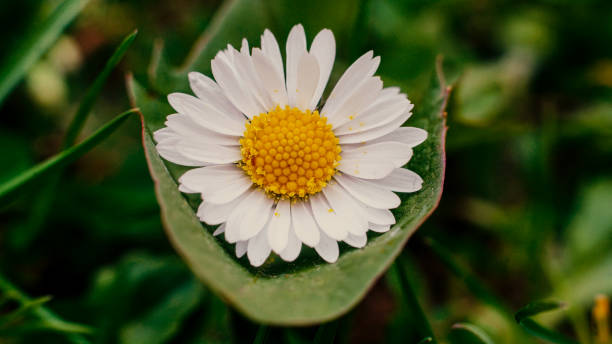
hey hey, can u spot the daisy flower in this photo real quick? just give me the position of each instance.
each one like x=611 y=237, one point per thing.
x=276 y=170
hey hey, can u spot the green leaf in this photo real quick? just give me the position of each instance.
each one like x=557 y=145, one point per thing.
x=308 y=291
x=475 y=335
x=523 y=317
x=11 y=187
x=35 y=44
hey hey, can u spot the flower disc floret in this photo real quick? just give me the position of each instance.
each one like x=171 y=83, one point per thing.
x=289 y=153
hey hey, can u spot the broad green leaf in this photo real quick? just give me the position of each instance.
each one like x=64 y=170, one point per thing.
x=469 y=333
x=11 y=187
x=36 y=43
x=307 y=291
x=523 y=317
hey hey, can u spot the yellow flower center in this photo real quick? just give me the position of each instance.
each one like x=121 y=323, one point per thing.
x=289 y=153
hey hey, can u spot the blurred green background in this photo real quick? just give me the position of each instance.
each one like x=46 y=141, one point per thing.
x=526 y=212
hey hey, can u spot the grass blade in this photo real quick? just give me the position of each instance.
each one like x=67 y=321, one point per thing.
x=420 y=322
x=7 y=319
x=11 y=187
x=48 y=319
x=94 y=90
x=478 y=335
x=35 y=44
x=523 y=317
x=473 y=284
x=42 y=204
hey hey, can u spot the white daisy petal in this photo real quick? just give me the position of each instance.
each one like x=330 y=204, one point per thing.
x=378 y=216
x=256 y=216
x=379 y=228
x=357 y=241
x=345 y=206
x=167 y=150
x=400 y=180
x=374 y=133
x=214 y=214
x=164 y=134
x=210 y=178
x=375 y=116
x=396 y=152
x=245 y=68
x=324 y=49
x=366 y=168
x=385 y=95
x=329 y=221
x=234 y=220
x=219 y=230
x=258 y=248
x=278 y=229
x=208 y=90
x=294 y=246
x=308 y=77
x=241 y=248
x=303 y=222
x=233 y=85
x=327 y=248
x=273 y=82
x=270 y=48
x=296 y=47
x=185 y=189
x=407 y=135
x=358 y=72
x=359 y=99
x=204 y=114
x=228 y=192
x=187 y=129
x=207 y=152
x=369 y=194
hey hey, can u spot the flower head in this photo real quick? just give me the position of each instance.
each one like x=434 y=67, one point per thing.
x=276 y=171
